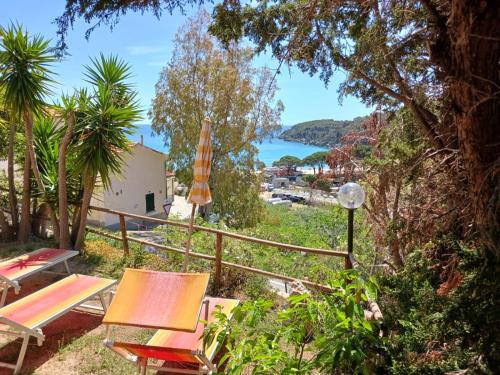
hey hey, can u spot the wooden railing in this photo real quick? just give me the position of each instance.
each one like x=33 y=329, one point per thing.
x=349 y=258
x=219 y=251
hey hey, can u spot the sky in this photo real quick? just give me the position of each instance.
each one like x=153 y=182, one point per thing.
x=146 y=43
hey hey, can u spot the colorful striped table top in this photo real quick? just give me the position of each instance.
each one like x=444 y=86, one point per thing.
x=161 y=300
x=36 y=309
x=22 y=265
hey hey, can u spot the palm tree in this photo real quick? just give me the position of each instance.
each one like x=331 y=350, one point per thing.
x=5 y=229
x=68 y=112
x=10 y=175
x=25 y=78
x=49 y=140
x=107 y=117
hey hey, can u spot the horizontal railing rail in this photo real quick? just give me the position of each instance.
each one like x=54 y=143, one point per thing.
x=237 y=236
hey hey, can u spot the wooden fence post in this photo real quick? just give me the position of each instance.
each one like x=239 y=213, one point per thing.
x=123 y=228
x=348 y=264
x=218 y=260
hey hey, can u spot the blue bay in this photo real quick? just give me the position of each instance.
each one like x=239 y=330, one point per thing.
x=270 y=150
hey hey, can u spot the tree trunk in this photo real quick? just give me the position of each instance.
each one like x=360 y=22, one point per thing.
x=64 y=237
x=10 y=174
x=28 y=130
x=55 y=226
x=25 y=225
x=88 y=187
x=5 y=229
x=395 y=255
x=35 y=205
x=75 y=224
x=474 y=82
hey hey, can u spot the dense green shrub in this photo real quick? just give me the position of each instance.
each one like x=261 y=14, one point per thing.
x=325 y=333
x=438 y=323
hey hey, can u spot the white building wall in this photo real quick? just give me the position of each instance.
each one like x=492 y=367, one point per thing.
x=144 y=173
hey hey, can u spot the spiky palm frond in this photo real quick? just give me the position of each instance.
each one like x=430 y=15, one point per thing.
x=47 y=138
x=106 y=119
x=25 y=73
x=109 y=70
x=3 y=109
x=69 y=104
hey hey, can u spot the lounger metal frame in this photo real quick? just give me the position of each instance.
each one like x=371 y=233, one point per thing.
x=25 y=333
x=6 y=283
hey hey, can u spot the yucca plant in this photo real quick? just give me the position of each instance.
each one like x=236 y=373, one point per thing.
x=47 y=139
x=106 y=117
x=68 y=111
x=25 y=77
x=5 y=229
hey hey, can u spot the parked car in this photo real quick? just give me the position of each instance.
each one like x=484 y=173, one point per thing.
x=296 y=199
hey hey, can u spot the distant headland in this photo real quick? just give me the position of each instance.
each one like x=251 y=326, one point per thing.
x=322 y=133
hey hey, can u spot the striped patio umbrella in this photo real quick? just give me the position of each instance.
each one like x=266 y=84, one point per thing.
x=200 y=191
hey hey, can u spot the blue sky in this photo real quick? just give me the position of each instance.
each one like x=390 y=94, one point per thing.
x=146 y=44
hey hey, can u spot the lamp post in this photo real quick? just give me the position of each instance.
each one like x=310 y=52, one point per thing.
x=350 y=196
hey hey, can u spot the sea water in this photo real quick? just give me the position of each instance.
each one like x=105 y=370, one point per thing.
x=269 y=151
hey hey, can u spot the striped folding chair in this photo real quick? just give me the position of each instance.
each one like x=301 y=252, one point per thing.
x=175 y=351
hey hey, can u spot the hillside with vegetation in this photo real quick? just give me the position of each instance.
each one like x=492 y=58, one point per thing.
x=323 y=133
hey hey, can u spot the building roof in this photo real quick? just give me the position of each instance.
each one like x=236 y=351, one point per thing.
x=149 y=148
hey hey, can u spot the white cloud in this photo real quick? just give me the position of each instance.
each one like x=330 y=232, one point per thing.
x=146 y=50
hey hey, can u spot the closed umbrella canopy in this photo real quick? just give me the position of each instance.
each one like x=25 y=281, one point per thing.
x=200 y=191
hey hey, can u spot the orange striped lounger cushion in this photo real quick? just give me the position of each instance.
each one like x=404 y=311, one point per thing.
x=43 y=306
x=16 y=268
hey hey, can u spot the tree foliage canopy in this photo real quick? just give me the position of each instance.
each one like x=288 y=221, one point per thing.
x=288 y=161
x=26 y=76
x=317 y=159
x=203 y=80
x=98 y=12
x=436 y=58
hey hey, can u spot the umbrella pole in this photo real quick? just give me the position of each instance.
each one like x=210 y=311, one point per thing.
x=188 y=243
